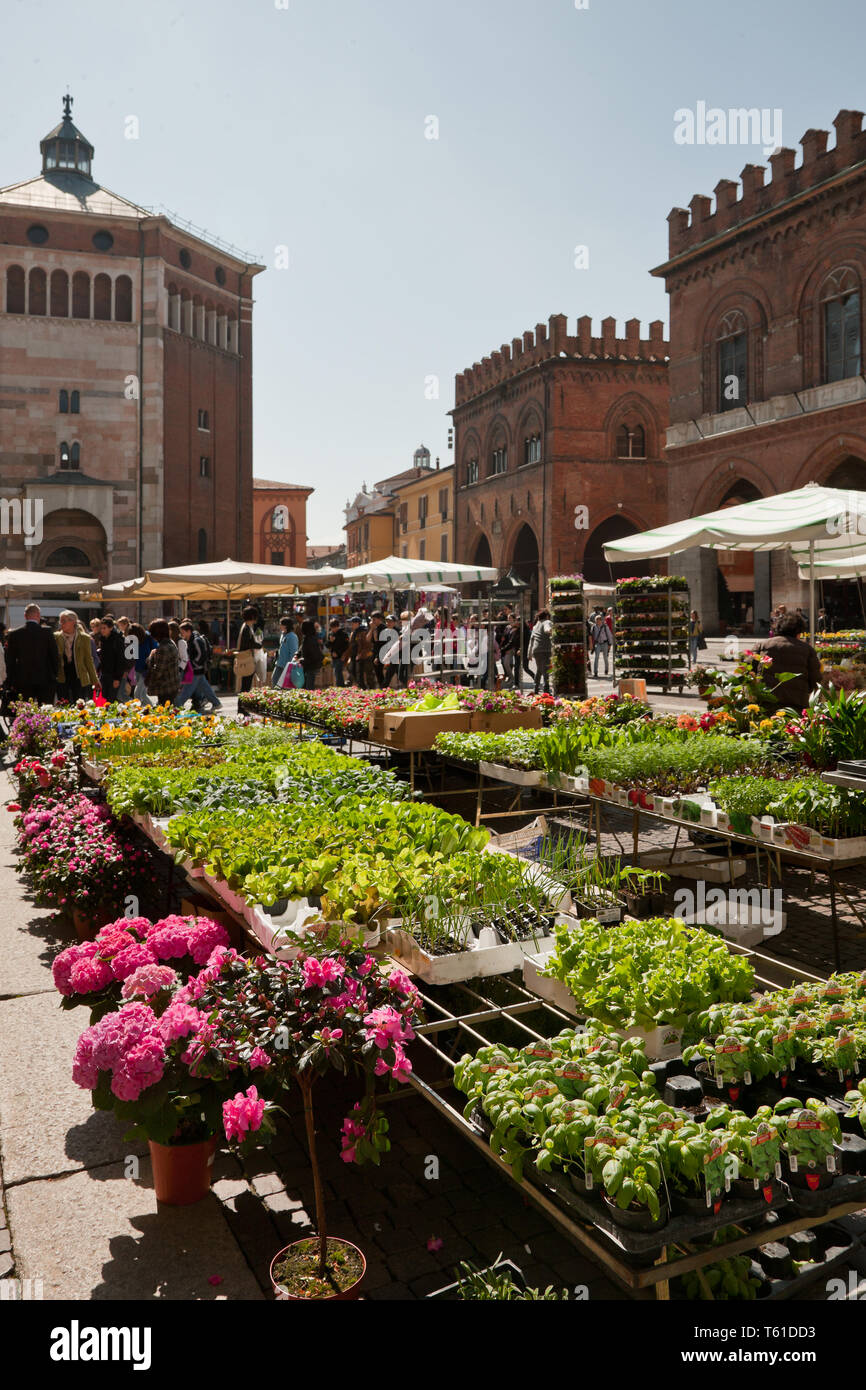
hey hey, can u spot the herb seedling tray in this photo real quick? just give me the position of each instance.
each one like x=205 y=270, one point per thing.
x=475 y=963
x=661 y=1044
x=519 y=777
x=839 y=1247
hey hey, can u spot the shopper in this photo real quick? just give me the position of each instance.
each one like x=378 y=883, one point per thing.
x=601 y=642
x=163 y=669
x=76 y=675
x=32 y=659
x=146 y=645
x=287 y=649
x=541 y=649
x=788 y=654
x=249 y=640
x=696 y=632
x=363 y=649
x=338 y=642
x=310 y=653
x=199 y=652
x=112 y=660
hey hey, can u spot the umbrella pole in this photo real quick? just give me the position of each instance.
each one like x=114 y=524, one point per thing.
x=228 y=619
x=811 y=591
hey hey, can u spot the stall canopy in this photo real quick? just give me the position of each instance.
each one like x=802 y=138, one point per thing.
x=854 y=567
x=395 y=572
x=32 y=582
x=226 y=579
x=815 y=523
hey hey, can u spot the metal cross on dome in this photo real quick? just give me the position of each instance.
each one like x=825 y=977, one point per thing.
x=67 y=106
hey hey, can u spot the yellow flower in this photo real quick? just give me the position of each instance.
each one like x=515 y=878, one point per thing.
x=753 y=709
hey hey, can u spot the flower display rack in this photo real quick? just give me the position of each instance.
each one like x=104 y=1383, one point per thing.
x=652 y=630
x=568 y=618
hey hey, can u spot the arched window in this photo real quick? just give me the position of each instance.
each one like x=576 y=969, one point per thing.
x=472 y=471
x=499 y=459
x=196 y=317
x=123 y=299
x=75 y=457
x=102 y=297
x=38 y=292
x=532 y=448
x=16 y=298
x=64 y=454
x=732 y=354
x=631 y=442
x=202 y=547
x=840 y=296
x=280 y=518
x=231 y=334
x=59 y=294
x=81 y=295
x=68 y=557
x=75 y=403
x=64 y=402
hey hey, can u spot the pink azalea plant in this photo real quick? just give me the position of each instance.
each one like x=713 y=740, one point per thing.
x=294 y=1021
x=77 y=855
x=129 y=960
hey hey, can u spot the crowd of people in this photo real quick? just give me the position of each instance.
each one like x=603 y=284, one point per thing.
x=115 y=658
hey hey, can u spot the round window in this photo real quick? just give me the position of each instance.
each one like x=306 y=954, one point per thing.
x=103 y=241
x=37 y=234
x=220 y=275
x=185 y=259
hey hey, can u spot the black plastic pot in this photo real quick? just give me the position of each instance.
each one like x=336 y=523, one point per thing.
x=776 y=1260
x=636 y=1218
x=580 y=1186
x=644 y=904
x=695 y=1207
x=745 y=1189
x=683 y=1091
x=736 y=1095
x=851 y=1154
x=810 y=1179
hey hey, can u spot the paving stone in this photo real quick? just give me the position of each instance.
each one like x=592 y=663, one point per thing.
x=103 y=1236
x=227 y=1189
x=281 y=1201
x=5 y=1242
x=411 y=1264
x=392 y=1239
x=7 y=1265
x=391 y=1292
x=266 y=1184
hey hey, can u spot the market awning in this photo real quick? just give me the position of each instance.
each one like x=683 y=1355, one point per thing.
x=31 y=582
x=396 y=572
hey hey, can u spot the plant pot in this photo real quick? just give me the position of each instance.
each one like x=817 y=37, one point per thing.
x=352 y=1291
x=635 y=1218
x=812 y=1179
x=695 y=1207
x=182 y=1172
x=644 y=904
x=87 y=924
x=745 y=1189
x=740 y=823
x=578 y=1182
x=723 y=820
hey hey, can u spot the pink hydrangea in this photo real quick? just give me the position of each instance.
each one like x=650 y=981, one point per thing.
x=148 y=980
x=116 y=1033
x=88 y=976
x=179 y=1020
x=85 y=1072
x=169 y=938
x=132 y=958
x=204 y=937
x=142 y=1066
x=62 y=966
x=243 y=1114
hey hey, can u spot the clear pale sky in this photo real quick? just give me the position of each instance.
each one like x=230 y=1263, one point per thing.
x=410 y=257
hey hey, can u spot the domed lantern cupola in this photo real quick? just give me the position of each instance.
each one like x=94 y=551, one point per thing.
x=65 y=149
x=421 y=457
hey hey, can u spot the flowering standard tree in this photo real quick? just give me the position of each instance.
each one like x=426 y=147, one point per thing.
x=292 y=1022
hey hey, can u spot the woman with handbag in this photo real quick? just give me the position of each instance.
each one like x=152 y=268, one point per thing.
x=184 y=665
x=287 y=649
x=249 y=642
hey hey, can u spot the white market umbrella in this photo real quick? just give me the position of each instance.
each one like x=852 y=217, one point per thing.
x=35 y=581
x=396 y=572
x=813 y=522
x=229 y=579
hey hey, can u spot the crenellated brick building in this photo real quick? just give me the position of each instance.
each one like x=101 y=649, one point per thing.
x=559 y=443
x=125 y=377
x=766 y=327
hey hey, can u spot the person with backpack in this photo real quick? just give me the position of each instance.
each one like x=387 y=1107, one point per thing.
x=199 y=653
x=602 y=641
x=541 y=650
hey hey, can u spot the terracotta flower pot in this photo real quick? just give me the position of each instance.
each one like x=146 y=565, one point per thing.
x=182 y=1172
x=87 y=924
x=282 y=1294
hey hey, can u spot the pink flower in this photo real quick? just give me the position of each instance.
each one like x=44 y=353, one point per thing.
x=435 y=1244
x=142 y=1066
x=148 y=980
x=87 y=976
x=259 y=1058
x=321 y=972
x=385 y=1025
x=243 y=1115
x=132 y=958
x=179 y=1020
x=85 y=1072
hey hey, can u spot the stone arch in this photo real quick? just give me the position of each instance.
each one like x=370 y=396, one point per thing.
x=81 y=295
x=59 y=307
x=529 y=434
x=827 y=458
x=524 y=558
x=632 y=408
x=841 y=254
x=470 y=448
x=497 y=435
x=744 y=298
x=595 y=568
x=16 y=290
x=37 y=291
x=123 y=299
x=73 y=529
x=102 y=296
x=714 y=489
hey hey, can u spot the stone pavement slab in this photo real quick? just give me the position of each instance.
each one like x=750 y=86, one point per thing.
x=103 y=1236
x=47 y=1122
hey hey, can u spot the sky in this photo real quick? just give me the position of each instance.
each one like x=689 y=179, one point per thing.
x=300 y=131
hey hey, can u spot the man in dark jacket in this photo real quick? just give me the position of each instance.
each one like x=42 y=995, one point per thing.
x=788 y=654
x=113 y=660
x=32 y=659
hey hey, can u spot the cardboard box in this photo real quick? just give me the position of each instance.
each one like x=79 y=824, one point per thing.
x=376 y=724
x=634 y=687
x=414 y=731
x=481 y=722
